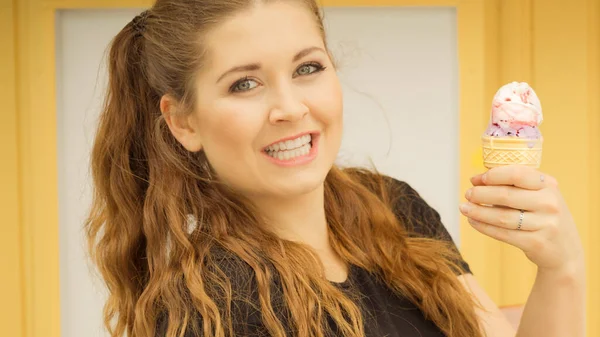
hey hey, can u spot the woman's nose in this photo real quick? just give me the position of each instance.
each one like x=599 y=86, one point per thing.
x=287 y=107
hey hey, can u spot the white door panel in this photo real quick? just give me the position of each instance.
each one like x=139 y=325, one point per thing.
x=399 y=70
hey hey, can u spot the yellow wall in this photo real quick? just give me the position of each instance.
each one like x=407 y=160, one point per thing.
x=553 y=44
x=11 y=281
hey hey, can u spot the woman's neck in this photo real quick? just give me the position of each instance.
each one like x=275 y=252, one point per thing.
x=302 y=219
x=299 y=219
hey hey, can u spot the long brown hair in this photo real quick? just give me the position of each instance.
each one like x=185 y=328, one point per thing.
x=149 y=190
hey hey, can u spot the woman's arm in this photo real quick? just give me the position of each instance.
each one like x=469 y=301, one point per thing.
x=555 y=307
x=492 y=319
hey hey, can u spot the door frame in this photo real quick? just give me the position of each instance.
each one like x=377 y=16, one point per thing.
x=32 y=197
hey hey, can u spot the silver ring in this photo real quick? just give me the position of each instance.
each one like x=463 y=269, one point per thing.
x=521 y=216
x=542 y=178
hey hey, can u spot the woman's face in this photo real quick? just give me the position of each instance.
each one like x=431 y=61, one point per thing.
x=269 y=108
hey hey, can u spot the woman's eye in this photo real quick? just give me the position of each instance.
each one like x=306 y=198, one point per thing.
x=247 y=84
x=244 y=85
x=307 y=69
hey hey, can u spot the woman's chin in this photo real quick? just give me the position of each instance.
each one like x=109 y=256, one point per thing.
x=299 y=185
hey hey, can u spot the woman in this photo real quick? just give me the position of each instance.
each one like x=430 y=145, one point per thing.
x=219 y=212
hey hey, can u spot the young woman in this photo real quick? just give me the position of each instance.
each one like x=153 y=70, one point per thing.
x=219 y=211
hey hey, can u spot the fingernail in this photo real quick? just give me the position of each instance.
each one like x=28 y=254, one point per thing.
x=484 y=177
x=468 y=193
x=465 y=208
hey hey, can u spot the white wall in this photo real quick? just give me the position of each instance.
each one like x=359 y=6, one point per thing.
x=400 y=77
x=399 y=68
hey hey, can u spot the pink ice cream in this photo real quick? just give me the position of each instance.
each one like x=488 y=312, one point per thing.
x=516 y=112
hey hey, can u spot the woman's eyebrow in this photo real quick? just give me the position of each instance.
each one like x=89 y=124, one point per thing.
x=306 y=52
x=247 y=67
x=257 y=66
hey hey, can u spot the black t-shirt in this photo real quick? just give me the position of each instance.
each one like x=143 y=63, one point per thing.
x=386 y=313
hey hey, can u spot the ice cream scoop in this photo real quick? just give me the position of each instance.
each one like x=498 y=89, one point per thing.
x=513 y=135
x=516 y=112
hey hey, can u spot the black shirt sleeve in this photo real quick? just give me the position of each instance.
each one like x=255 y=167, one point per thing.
x=420 y=218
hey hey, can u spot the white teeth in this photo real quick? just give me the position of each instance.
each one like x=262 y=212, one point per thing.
x=290 y=144
x=291 y=154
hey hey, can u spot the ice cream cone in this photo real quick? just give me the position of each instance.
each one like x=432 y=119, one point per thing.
x=499 y=151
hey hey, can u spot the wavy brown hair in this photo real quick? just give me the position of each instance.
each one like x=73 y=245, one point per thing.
x=148 y=190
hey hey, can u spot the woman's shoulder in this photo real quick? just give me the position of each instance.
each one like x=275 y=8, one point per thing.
x=418 y=218
x=379 y=183
x=412 y=210
x=398 y=193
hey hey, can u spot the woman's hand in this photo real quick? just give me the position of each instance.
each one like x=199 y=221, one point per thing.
x=528 y=212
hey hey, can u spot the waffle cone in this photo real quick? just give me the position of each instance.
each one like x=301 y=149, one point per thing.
x=499 y=151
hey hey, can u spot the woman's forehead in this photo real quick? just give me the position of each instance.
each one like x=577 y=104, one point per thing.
x=277 y=28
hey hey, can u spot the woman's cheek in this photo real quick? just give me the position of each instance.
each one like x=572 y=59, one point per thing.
x=234 y=125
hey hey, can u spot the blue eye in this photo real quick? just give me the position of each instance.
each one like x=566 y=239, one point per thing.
x=243 y=85
x=247 y=84
x=309 y=68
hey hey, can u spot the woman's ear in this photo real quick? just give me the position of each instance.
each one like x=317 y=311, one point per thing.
x=185 y=132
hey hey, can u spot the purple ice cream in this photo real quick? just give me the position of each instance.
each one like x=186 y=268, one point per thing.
x=516 y=112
